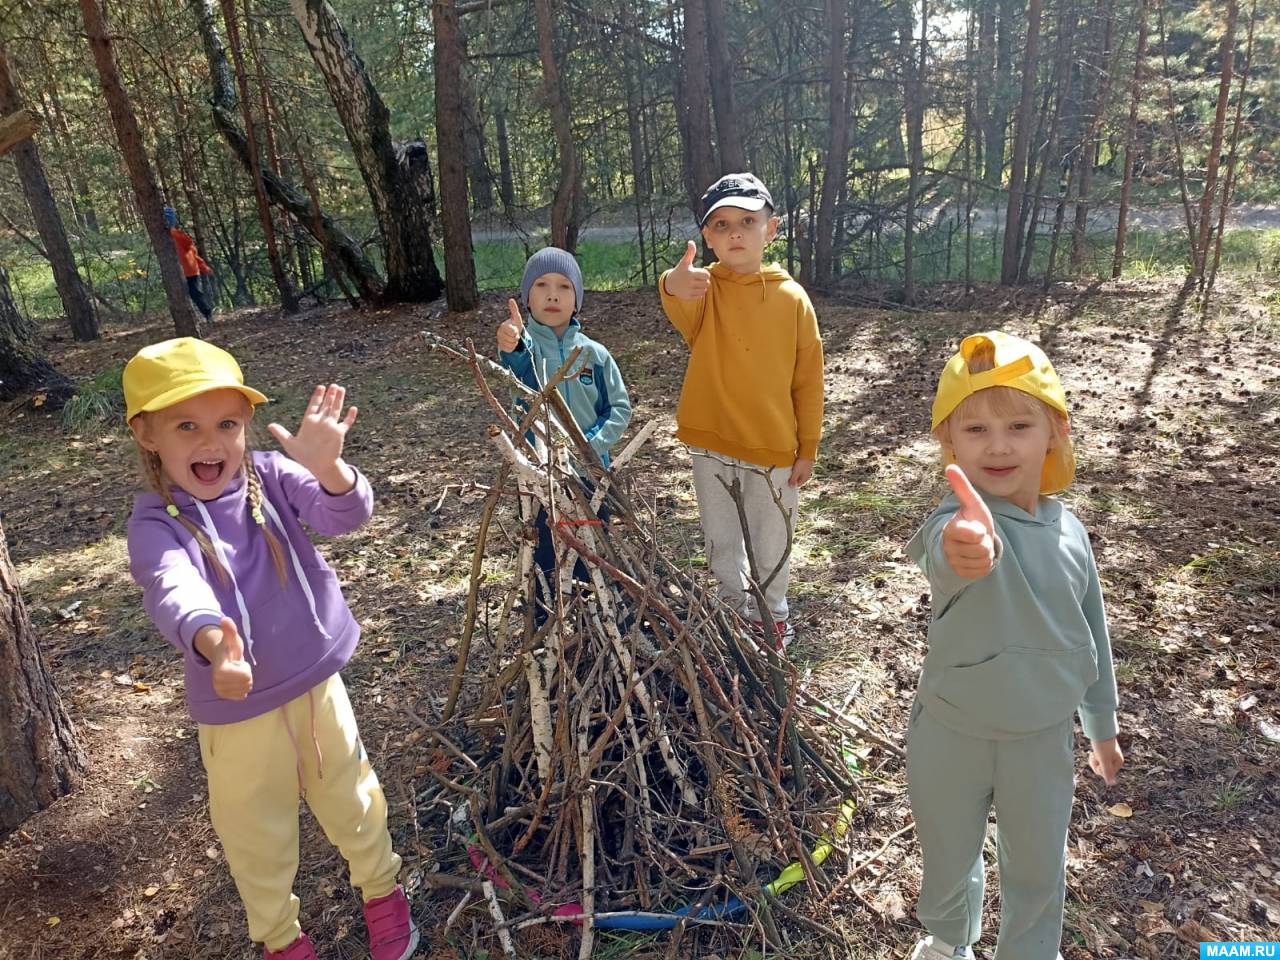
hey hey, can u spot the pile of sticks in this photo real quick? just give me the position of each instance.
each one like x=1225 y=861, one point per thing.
x=643 y=757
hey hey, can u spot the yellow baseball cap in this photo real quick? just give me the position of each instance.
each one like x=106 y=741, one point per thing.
x=1021 y=365
x=169 y=372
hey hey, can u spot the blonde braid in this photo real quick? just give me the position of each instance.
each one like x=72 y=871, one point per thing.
x=253 y=495
x=154 y=474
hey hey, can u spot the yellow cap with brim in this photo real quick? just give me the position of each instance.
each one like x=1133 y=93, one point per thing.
x=1021 y=365
x=169 y=372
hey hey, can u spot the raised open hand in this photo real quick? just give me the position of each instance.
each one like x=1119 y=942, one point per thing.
x=318 y=443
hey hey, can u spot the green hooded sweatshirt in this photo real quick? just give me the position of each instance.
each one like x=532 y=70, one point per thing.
x=1021 y=649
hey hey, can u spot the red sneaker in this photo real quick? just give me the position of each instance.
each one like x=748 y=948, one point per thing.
x=392 y=932
x=300 y=949
x=783 y=632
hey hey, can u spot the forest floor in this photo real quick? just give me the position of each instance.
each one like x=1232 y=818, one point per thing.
x=1177 y=424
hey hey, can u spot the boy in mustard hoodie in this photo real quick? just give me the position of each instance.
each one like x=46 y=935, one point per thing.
x=751 y=406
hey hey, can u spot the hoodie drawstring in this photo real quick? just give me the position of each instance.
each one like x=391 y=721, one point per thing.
x=211 y=531
x=297 y=566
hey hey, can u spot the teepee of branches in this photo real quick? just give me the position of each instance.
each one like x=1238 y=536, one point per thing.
x=641 y=758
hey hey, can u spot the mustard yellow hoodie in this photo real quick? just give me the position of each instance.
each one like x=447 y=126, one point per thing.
x=753 y=388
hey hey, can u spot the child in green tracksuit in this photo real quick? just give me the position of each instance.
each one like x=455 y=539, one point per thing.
x=1017 y=645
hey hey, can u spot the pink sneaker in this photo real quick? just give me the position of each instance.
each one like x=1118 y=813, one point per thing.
x=392 y=932
x=300 y=949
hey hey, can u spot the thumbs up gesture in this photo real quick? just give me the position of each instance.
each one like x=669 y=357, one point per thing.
x=232 y=676
x=969 y=539
x=512 y=329
x=685 y=281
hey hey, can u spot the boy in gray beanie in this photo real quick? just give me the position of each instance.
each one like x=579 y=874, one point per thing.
x=551 y=290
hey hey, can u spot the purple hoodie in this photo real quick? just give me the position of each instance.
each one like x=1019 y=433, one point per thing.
x=295 y=634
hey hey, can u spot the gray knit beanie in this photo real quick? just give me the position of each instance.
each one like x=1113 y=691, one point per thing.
x=551 y=260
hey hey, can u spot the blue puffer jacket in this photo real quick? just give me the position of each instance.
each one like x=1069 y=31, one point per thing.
x=594 y=393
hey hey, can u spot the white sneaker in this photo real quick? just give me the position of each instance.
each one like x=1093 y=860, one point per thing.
x=931 y=948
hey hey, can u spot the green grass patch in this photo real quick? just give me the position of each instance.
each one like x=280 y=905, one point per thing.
x=1241 y=568
x=98 y=402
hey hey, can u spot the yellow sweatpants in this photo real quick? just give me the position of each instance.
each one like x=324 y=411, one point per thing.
x=257 y=770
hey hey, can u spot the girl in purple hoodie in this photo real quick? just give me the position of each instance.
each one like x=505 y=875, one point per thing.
x=230 y=577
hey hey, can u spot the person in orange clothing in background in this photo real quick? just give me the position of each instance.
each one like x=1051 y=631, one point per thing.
x=193 y=265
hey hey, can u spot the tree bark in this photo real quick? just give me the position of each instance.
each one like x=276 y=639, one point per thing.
x=459 y=262
x=506 y=181
x=837 y=141
x=1226 y=56
x=1097 y=110
x=40 y=754
x=915 y=139
x=478 y=173
x=140 y=174
x=998 y=128
x=1228 y=180
x=44 y=211
x=1021 y=138
x=288 y=298
x=694 y=96
x=1130 y=137
x=397 y=175
x=304 y=209
x=733 y=158
x=565 y=206
x=23 y=368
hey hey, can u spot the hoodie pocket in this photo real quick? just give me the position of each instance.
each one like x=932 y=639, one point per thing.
x=1021 y=690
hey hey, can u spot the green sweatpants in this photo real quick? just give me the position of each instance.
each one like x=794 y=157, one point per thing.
x=954 y=780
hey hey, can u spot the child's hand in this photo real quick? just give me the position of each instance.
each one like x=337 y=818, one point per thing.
x=685 y=281
x=223 y=648
x=969 y=539
x=318 y=443
x=801 y=471
x=511 y=330
x=1105 y=759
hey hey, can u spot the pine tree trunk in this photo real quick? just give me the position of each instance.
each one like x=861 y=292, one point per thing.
x=1059 y=89
x=984 y=83
x=915 y=137
x=288 y=297
x=1021 y=140
x=40 y=754
x=1130 y=138
x=1097 y=110
x=998 y=128
x=694 y=96
x=1228 y=181
x=478 y=173
x=565 y=207
x=140 y=173
x=23 y=369
x=1226 y=56
x=837 y=142
x=506 y=182
x=44 y=211
x=346 y=249
x=733 y=159
x=398 y=175
x=459 y=262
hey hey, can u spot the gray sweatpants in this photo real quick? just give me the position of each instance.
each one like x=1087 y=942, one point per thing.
x=770 y=523
x=953 y=781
